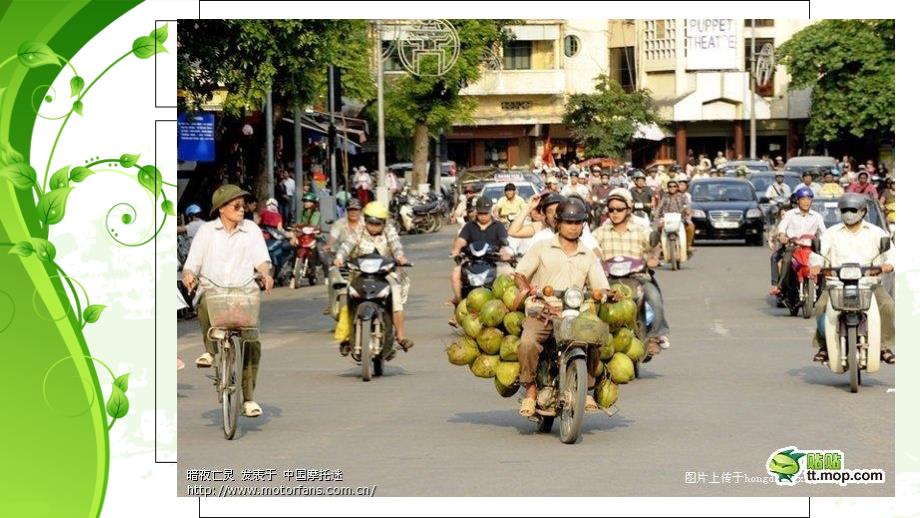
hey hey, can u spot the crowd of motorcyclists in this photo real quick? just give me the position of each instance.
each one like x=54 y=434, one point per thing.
x=562 y=237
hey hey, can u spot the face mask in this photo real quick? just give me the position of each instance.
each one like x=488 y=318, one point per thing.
x=852 y=218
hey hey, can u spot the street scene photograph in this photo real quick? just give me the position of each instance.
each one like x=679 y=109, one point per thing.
x=536 y=257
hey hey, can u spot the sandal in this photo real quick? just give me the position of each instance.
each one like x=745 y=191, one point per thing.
x=528 y=407
x=406 y=344
x=888 y=356
x=590 y=404
x=821 y=355
x=652 y=350
x=204 y=361
x=251 y=409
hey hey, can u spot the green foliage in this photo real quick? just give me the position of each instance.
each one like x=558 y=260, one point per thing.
x=604 y=121
x=850 y=66
x=290 y=57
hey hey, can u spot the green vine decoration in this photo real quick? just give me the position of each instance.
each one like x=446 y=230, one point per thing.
x=52 y=194
x=117 y=404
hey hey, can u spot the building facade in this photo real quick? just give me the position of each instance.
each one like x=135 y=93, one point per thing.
x=697 y=72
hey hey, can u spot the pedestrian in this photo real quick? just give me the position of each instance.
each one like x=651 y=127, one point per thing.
x=290 y=186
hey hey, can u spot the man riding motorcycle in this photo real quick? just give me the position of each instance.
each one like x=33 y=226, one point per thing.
x=625 y=237
x=676 y=201
x=483 y=229
x=642 y=194
x=511 y=206
x=796 y=223
x=379 y=237
x=778 y=191
x=350 y=226
x=855 y=240
x=562 y=262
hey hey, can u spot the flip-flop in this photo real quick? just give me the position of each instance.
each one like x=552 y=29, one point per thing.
x=251 y=409
x=590 y=404
x=528 y=407
x=204 y=361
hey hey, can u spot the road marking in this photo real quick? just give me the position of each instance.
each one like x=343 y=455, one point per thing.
x=718 y=328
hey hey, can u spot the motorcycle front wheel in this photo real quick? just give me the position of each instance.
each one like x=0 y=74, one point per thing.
x=296 y=282
x=808 y=305
x=853 y=359
x=574 y=395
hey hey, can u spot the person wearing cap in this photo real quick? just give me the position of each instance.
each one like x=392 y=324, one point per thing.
x=194 y=221
x=795 y=223
x=561 y=263
x=742 y=171
x=511 y=206
x=808 y=180
x=552 y=183
x=778 y=191
x=379 y=236
x=863 y=186
x=675 y=201
x=484 y=228
x=626 y=237
x=830 y=187
x=226 y=252
x=350 y=226
x=311 y=215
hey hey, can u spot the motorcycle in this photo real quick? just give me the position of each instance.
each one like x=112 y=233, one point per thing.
x=562 y=372
x=478 y=266
x=369 y=301
x=852 y=324
x=643 y=210
x=281 y=253
x=417 y=215
x=801 y=291
x=629 y=271
x=675 y=252
x=306 y=257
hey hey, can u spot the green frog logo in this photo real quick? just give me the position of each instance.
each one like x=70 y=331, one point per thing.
x=785 y=465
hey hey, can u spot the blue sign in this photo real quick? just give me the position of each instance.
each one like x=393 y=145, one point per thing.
x=196 y=137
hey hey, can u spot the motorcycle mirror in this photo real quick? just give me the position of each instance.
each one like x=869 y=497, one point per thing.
x=884 y=244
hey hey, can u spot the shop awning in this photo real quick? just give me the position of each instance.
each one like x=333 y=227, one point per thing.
x=351 y=133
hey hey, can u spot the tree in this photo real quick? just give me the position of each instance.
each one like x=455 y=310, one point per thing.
x=419 y=107
x=850 y=66
x=248 y=58
x=605 y=121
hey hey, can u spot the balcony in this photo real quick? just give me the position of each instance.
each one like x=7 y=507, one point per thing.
x=519 y=82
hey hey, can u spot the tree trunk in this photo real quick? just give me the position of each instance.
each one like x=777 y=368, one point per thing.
x=420 y=155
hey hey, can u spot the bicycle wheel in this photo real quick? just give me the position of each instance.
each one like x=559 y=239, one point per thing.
x=231 y=384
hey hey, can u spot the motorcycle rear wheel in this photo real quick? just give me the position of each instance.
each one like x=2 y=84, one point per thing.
x=366 y=354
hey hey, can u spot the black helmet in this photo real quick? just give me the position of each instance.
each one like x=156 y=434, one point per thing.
x=572 y=209
x=550 y=199
x=483 y=204
x=852 y=200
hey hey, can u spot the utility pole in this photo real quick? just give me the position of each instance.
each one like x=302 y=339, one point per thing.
x=383 y=195
x=752 y=82
x=333 y=132
x=269 y=145
x=298 y=162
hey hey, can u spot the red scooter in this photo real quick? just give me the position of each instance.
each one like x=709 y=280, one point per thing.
x=306 y=257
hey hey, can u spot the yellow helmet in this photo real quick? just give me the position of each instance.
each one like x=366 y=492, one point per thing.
x=376 y=210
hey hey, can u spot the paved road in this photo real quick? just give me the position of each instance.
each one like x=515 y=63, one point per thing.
x=737 y=384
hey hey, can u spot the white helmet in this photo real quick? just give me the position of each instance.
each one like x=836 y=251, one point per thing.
x=621 y=194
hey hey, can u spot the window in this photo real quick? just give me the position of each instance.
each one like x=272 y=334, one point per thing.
x=517 y=55
x=571 y=45
x=623 y=67
x=767 y=89
x=660 y=33
x=758 y=23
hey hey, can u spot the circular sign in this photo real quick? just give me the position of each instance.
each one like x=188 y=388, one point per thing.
x=428 y=40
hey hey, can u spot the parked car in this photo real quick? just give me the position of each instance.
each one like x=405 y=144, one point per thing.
x=726 y=208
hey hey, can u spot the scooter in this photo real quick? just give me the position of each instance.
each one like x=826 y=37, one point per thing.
x=306 y=257
x=852 y=324
x=802 y=291
x=675 y=249
x=478 y=266
x=370 y=301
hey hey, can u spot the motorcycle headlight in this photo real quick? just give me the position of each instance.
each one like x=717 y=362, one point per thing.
x=851 y=273
x=478 y=279
x=573 y=298
x=697 y=213
x=370 y=265
x=753 y=213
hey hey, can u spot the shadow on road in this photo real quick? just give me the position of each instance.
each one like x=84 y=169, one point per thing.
x=245 y=424
x=510 y=419
x=389 y=370
x=181 y=387
x=821 y=375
